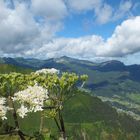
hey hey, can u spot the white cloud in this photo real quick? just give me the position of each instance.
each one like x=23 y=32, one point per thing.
x=83 y=5
x=124 y=9
x=131 y=59
x=50 y=9
x=124 y=41
x=16 y=28
x=22 y=35
x=104 y=14
x=102 y=11
x=19 y=31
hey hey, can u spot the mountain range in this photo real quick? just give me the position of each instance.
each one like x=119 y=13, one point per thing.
x=112 y=81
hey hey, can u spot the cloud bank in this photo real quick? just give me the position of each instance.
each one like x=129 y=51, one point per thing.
x=29 y=29
x=124 y=40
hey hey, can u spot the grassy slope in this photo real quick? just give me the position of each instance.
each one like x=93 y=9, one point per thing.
x=108 y=84
x=5 y=68
x=89 y=116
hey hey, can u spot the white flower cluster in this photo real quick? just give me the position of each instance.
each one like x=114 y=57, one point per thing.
x=46 y=71
x=31 y=99
x=3 y=108
x=22 y=111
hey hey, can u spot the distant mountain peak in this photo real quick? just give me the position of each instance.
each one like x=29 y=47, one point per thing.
x=64 y=57
x=112 y=62
x=113 y=65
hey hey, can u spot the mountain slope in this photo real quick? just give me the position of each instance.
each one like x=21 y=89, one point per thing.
x=87 y=114
x=22 y=62
x=6 y=68
x=107 y=78
x=112 y=81
x=86 y=109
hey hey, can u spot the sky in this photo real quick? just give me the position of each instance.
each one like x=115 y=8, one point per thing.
x=95 y=30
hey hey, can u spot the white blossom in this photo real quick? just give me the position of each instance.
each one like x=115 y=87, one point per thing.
x=46 y=71
x=3 y=108
x=22 y=111
x=31 y=99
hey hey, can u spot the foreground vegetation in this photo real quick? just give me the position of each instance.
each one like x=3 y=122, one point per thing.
x=85 y=117
x=42 y=91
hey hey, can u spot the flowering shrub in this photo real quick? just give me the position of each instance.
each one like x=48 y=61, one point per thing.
x=3 y=108
x=47 y=71
x=31 y=99
x=43 y=90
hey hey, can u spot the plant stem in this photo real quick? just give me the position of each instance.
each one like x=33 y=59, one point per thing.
x=57 y=124
x=21 y=135
x=63 y=132
x=41 y=122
